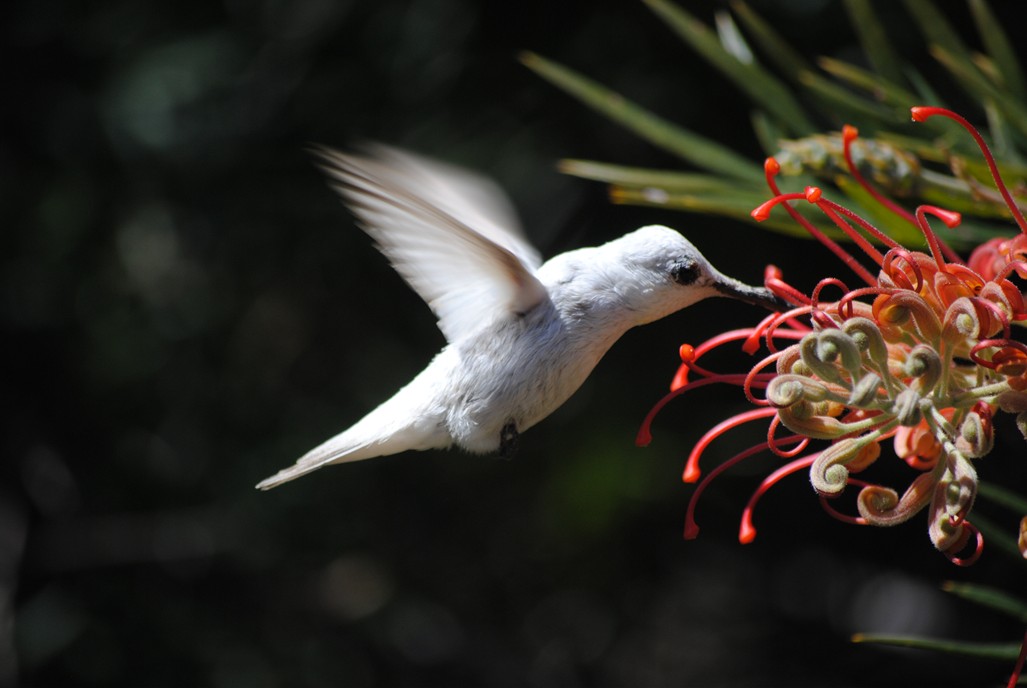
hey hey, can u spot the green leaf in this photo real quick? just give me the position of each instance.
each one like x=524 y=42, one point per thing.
x=998 y=537
x=696 y=149
x=869 y=208
x=992 y=598
x=1006 y=652
x=1001 y=51
x=853 y=107
x=760 y=85
x=935 y=28
x=777 y=48
x=735 y=205
x=1000 y=495
x=874 y=40
x=767 y=132
x=642 y=177
x=980 y=86
x=885 y=90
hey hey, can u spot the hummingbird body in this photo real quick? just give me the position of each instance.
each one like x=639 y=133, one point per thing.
x=522 y=339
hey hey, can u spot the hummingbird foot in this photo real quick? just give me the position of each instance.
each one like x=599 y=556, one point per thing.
x=509 y=440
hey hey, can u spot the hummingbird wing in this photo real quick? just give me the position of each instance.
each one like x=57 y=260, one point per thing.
x=450 y=234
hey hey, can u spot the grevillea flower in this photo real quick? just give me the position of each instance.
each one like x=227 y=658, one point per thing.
x=914 y=362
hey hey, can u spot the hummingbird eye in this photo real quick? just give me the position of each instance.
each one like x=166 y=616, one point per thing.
x=685 y=273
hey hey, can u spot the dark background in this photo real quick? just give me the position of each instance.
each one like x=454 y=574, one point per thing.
x=187 y=308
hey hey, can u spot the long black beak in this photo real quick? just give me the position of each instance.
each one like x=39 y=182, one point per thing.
x=757 y=296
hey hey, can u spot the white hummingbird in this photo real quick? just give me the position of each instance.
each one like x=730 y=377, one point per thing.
x=522 y=335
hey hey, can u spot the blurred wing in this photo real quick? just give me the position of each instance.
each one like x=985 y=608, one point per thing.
x=449 y=234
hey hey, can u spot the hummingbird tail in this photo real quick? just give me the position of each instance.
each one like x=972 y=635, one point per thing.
x=332 y=451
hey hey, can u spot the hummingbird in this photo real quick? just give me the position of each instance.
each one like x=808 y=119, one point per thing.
x=522 y=335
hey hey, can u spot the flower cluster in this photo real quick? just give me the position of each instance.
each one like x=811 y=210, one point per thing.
x=920 y=356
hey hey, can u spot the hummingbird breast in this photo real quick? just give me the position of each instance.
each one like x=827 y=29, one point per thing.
x=518 y=370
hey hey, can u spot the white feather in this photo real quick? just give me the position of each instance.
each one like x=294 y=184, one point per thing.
x=463 y=252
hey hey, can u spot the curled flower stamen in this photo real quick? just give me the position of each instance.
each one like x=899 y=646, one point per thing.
x=827 y=282
x=993 y=344
x=774 y=445
x=898 y=275
x=969 y=530
x=825 y=502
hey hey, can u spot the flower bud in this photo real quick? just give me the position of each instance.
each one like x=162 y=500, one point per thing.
x=907 y=407
x=864 y=394
x=976 y=437
x=829 y=472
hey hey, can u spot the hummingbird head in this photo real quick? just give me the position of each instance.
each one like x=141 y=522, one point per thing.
x=664 y=273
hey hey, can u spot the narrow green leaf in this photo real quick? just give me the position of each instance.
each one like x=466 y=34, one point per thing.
x=642 y=177
x=980 y=86
x=760 y=85
x=1006 y=652
x=874 y=40
x=999 y=537
x=777 y=48
x=993 y=598
x=883 y=89
x=687 y=145
x=885 y=220
x=1001 y=51
x=731 y=39
x=927 y=94
x=936 y=28
x=1002 y=136
x=734 y=205
x=1002 y=496
x=852 y=106
x=767 y=132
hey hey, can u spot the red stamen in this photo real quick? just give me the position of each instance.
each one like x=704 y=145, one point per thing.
x=994 y=343
x=845 y=307
x=775 y=447
x=922 y=113
x=950 y=218
x=849 y=134
x=645 y=437
x=972 y=531
x=692 y=471
x=771 y=168
x=762 y=211
x=691 y=528
x=895 y=275
x=1017 y=266
x=994 y=310
x=746 y=531
x=826 y=282
x=834 y=213
x=689 y=355
x=1015 y=678
x=825 y=502
x=769 y=325
x=778 y=319
x=772 y=280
